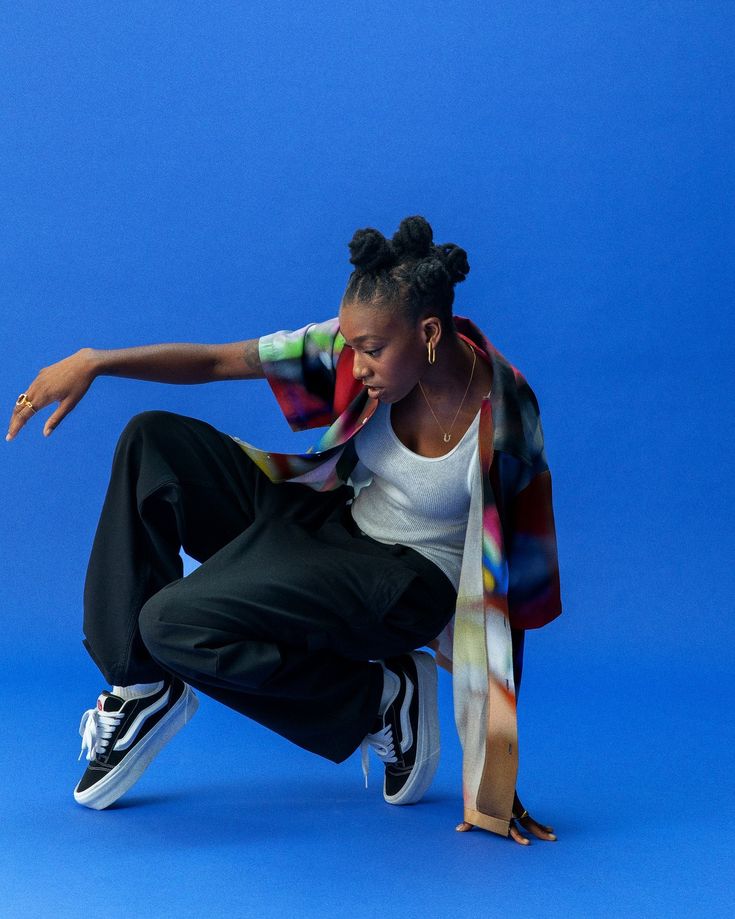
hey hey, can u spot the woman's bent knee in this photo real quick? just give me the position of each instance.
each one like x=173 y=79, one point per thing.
x=154 y=419
x=172 y=636
x=151 y=439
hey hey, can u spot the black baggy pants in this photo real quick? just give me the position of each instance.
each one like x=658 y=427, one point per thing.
x=291 y=607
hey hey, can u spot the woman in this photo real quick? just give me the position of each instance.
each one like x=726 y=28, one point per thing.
x=322 y=573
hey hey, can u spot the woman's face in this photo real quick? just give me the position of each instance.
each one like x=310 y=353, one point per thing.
x=390 y=355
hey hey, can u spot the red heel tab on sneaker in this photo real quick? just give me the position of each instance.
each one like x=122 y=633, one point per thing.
x=108 y=702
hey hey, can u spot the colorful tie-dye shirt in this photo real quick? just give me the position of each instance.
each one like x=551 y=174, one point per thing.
x=509 y=578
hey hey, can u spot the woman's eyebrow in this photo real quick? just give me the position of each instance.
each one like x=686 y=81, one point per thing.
x=363 y=338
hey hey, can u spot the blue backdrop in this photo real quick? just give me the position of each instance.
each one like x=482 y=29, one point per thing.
x=194 y=172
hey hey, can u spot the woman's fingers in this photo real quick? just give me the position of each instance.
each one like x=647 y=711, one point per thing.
x=64 y=382
x=21 y=414
x=61 y=412
x=516 y=834
x=540 y=830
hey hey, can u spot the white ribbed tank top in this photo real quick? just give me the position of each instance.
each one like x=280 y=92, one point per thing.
x=417 y=501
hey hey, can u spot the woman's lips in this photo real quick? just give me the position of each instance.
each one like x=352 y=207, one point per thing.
x=374 y=390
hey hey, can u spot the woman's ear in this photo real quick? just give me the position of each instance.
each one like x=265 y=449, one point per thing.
x=432 y=330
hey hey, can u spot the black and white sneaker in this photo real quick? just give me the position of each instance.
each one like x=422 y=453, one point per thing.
x=406 y=736
x=122 y=736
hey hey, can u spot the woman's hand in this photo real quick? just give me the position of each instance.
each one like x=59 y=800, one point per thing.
x=522 y=817
x=64 y=382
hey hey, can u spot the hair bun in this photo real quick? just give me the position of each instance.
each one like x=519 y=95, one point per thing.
x=430 y=275
x=454 y=259
x=370 y=250
x=413 y=237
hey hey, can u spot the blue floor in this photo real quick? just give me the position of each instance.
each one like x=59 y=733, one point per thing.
x=231 y=819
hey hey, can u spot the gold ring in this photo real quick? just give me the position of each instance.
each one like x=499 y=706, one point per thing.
x=25 y=402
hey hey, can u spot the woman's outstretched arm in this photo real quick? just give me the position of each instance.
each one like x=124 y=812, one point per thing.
x=180 y=362
x=68 y=380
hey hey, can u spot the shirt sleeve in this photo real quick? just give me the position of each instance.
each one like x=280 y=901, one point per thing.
x=534 y=593
x=301 y=369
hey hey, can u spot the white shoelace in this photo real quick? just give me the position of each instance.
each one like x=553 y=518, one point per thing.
x=383 y=744
x=96 y=728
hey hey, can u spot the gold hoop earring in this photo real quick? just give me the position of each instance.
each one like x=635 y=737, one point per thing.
x=432 y=353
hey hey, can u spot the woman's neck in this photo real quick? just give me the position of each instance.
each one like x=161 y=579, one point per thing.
x=446 y=380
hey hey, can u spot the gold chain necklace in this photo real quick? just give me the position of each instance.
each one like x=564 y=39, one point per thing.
x=447 y=435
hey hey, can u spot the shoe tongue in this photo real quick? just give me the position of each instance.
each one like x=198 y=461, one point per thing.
x=107 y=702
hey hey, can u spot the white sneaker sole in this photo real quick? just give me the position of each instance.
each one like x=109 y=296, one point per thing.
x=428 y=745
x=127 y=772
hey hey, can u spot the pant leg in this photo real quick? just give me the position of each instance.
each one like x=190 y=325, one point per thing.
x=175 y=481
x=178 y=481
x=284 y=625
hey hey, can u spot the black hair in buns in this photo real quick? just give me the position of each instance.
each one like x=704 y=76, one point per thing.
x=408 y=273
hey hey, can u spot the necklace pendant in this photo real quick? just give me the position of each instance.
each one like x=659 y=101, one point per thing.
x=447 y=438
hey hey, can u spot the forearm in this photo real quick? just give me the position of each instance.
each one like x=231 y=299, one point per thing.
x=180 y=362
